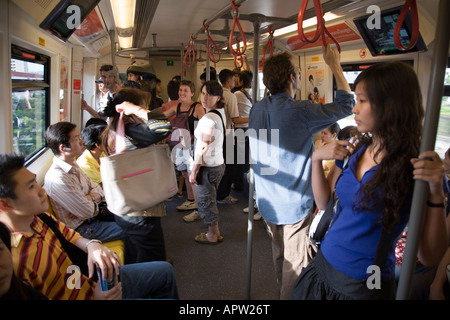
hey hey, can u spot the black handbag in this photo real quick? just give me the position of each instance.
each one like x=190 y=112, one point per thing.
x=325 y=220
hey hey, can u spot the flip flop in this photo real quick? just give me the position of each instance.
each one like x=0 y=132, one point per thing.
x=202 y=239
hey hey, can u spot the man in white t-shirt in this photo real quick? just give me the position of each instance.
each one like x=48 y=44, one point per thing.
x=245 y=102
x=226 y=78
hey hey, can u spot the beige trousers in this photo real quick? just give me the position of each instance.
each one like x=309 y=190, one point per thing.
x=292 y=250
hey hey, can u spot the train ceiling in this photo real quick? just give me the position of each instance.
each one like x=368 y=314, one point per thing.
x=162 y=28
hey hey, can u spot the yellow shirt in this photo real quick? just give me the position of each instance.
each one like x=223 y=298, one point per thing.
x=41 y=262
x=90 y=166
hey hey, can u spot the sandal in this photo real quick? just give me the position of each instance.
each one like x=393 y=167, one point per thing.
x=201 y=238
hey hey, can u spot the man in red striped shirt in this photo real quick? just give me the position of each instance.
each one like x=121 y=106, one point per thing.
x=41 y=260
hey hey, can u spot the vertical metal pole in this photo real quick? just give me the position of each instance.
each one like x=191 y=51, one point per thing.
x=208 y=71
x=256 y=26
x=182 y=61
x=436 y=86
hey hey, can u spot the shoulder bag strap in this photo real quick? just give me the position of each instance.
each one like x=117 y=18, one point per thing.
x=121 y=144
x=383 y=247
x=192 y=108
x=223 y=125
x=247 y=95
x=76 y=255
x=224 y=132
x=178 y=108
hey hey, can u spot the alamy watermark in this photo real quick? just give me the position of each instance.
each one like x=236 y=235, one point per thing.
x=74 y=18
x=374 y=20
x=266 y=153
x=374 y=280
x=74 y=280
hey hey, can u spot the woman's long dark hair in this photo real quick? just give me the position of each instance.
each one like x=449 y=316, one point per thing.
x=125 y=94
x=396 y=105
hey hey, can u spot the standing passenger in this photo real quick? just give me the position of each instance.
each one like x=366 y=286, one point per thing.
x=194 y=112
x=245 y=102
x=209 y=167
x=283 y=179
x=375 y=191
x=226 y=77
x=144 y=238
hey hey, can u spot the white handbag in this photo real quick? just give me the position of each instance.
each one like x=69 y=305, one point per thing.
x=138 y=179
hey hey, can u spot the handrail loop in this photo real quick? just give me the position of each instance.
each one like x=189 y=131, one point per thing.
x=190 y=54
x=240 y=60
x=235 y=15
x=211 y=44
x=268 y=45
x=321 y=30
x=409 y=4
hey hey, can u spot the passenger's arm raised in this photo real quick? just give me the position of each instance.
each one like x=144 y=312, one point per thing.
x=332 y=58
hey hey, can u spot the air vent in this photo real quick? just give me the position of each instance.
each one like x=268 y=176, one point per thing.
x=43 y=3
x=145 y=10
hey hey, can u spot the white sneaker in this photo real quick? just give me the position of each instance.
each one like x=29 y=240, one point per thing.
x=187 y=206
x=191 y=217
x=228 y=200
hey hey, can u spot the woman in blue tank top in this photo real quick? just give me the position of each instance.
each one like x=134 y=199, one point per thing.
x=375 y=189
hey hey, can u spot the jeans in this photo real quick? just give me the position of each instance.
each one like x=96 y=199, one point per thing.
x=101 y=230
x=148 y=280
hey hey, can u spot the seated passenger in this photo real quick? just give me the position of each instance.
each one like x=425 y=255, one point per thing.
x=22 y=206
x=89 y=161
x=73 y=195
x=11 y=288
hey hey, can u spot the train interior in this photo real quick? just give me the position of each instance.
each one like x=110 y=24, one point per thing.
x=47 y=68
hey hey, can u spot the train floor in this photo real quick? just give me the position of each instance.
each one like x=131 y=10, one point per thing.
x=218 y=272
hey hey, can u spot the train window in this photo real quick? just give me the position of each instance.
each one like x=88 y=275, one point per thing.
x=443 y=132
x=30 y=101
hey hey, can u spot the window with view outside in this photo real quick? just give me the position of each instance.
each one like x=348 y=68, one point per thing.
x=28 y=121
x=443 y=132
x=30 y=101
